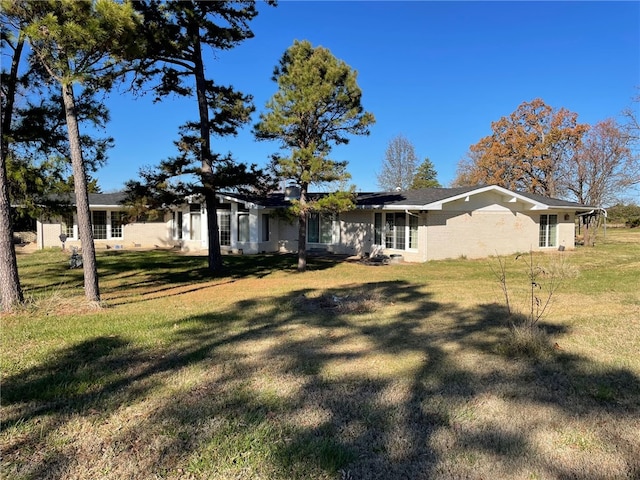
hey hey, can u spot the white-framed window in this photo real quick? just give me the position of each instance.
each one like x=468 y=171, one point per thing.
x=548 y=231
x=177 y=225
x=243 y=227
x=319 y=228
x=377 y=229
x=195 y=221
x=224 y=226
x=99 y=223
x=395 y=231
x=400 y=230
x=118 y=219
x=67 y=225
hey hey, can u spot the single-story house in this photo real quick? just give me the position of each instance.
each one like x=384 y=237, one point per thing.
x=420 y=225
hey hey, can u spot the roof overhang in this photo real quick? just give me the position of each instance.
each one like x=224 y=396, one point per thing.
x=508 y=196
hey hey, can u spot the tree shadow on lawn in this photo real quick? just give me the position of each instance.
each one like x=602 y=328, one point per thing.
x=304 y=390
x=124 y=275
x=167 y=270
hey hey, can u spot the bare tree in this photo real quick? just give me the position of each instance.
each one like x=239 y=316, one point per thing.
x=603 y=167
x=399 y=165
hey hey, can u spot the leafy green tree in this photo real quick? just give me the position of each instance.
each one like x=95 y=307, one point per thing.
x=80 y=44
x=399 y=166
x=426 y=176
x=176 y=35
x=317 y=105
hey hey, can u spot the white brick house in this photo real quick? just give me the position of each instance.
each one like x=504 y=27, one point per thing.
x=420 y=225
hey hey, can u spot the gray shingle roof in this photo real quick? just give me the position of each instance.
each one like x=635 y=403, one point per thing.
x=409 y=198
x=106 y=199
x=424 y=196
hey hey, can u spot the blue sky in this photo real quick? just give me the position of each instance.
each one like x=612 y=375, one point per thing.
x=436 y=72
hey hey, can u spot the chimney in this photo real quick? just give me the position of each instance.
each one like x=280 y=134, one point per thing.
x=292 y=192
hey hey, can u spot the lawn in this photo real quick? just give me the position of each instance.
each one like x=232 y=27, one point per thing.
x=347 y=371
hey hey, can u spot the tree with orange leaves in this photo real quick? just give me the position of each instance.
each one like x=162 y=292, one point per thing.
x=525 y=150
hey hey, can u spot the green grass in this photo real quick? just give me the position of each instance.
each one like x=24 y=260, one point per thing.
x=345 y=371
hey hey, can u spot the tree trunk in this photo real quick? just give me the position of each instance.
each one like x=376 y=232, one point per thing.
x=207 y=173
x=10 y=290
x=302 y=230
x=91 y=288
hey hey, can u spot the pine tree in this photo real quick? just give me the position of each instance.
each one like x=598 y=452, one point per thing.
x=176 y=35
x=317 y=105
x=426 y=176
x=80 y=44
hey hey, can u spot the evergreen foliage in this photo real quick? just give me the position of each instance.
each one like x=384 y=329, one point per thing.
x=175 y=36
x=80 y=46
x=426 y=176
x=317 y=105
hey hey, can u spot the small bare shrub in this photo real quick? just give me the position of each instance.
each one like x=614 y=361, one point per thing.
x=526 y=338
x=542 y=283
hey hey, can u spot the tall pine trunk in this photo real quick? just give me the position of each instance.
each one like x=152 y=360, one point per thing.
x=10 y=290
x=302 y=230
x=206 y=169
x=91 y=288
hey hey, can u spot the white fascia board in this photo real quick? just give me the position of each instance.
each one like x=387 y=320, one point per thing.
x=369 y=207
x=237 y=200
x=575 y=208
x=511 y=197
x=395 y=208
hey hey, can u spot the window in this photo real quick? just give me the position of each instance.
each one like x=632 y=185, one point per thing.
x=377 y=229
x=389 y=230
x=265 y=227
x=99 y=220
x=320 y=228
x=224 y=225
x=548 y=230
x=67 y=225
x=398 y=227
x=196 y=227
x=243 y=227
x=177 y=225
x=118 y=219
x=401 y=231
